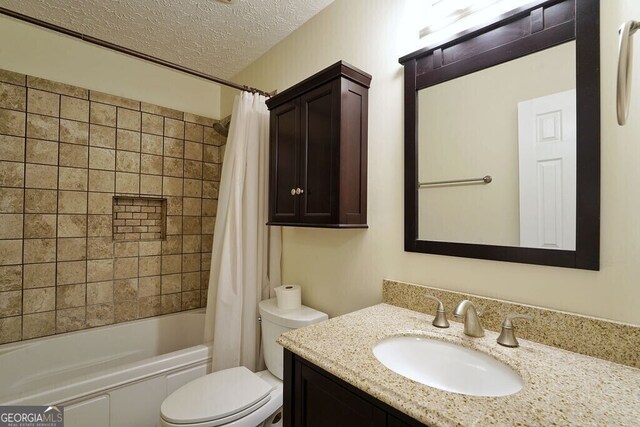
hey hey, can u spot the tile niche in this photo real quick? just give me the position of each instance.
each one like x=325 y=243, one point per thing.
x=65 y=154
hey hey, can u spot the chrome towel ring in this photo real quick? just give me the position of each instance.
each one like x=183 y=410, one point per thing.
x=625 y=65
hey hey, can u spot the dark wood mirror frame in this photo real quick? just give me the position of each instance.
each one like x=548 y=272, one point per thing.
x=532 y=28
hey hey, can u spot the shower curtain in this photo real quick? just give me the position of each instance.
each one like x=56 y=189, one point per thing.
x=245 y=262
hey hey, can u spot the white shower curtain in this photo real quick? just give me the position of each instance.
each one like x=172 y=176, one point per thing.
x=245 y=262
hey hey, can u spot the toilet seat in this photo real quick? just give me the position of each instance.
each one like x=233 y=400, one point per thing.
x=217 y=399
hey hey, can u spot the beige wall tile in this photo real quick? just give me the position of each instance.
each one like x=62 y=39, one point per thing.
x=100 y=315
x=192 y=150
x=170 y=303
x=11 y=174
x=99 y=226
x=39 y=250
x=99 y=247
x=61 y=88
x=125 y=268
x=190 y=300
x=99 y=270
x=39 y=325
x=71 y=272
x=201 y=120
x=211 y=171
x=149 y=266
x=211 y=154
x=171 y=186
x=72 y=202
x=13 y=97
x=191 y=244
x=151 y=144
x=208 y=225
x=192 y=225
x=126 y=249
x=172 y=245
x=10 y=303
x=125 y=290
x=193 y=169
x=101 y=158
x=39 y=275
x=119 y=101
x=174 y=128
x=173 y=147
x=103 y=181
x=128 y=140
x=210 y=189
x=127 y=183
x=161 y=111
x=193 y=188
x=72 y=225
x=173 y=167
x=11 y=199
x=152 y=124
x=100 y=292
x=125 y=311
x=39 y=226
x=12 y=122
x=191 y=281
x=171 y=264
x=150 y=248
x=174 y=205
x=74 y=109
x=171 y=283
x=151 y=185
x=102 y=114
x=209 y=207
x=150 y=164
x=40 y=176
x=11 y=148
x=10 y=278
x=11 y=226
x=42 y=127
x=74 y=132
x=193 y=132
x=129 y=119
x=190 y=262
x=71 y=319
x=74 y=155
x=148 y=286
x=12 y=77
x=39 y=151
x=73 y=179
x=127 y=162
x=207 y=242
x=149 y=306
x=100 y=203
x=39 y=300
x=45 y=103
x=72 y=249
x=10 y=329
x=192 y=206
x=174 y=225
x=102 y=136
x=41 y=201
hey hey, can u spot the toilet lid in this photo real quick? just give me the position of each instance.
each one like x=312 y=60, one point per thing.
x=228 y=394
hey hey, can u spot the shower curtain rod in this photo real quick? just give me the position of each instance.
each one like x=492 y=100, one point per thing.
x=130 y=52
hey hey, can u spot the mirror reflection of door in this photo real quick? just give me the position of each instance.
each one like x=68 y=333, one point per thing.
x=547 y=166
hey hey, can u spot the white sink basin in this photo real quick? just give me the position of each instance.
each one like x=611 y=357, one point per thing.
x=447 y=366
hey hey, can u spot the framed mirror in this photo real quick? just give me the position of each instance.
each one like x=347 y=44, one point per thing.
x=502 y=139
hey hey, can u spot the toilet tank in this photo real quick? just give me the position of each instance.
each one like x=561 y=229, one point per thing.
x=275 y=322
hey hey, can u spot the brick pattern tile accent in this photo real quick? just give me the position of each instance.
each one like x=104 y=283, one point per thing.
x=65 y=154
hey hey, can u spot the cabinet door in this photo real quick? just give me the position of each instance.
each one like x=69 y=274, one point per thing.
x=321 y=402
x=284 y=157
x=319 y=149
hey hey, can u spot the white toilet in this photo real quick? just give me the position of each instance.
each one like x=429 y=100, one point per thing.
x=236 y=396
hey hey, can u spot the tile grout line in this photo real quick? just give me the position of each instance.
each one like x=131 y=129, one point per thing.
x=24 y=205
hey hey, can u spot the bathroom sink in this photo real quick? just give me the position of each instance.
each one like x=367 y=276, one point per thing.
x=447 y=366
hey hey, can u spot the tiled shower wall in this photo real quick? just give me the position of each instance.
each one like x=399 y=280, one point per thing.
x=65 y=152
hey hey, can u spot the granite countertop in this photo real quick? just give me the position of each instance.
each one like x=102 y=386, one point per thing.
x=561 y=387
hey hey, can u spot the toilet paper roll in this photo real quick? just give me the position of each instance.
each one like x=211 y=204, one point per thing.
x=288 y=296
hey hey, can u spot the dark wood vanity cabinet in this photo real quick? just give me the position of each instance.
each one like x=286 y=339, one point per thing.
x=314 y=397
x=318 y=150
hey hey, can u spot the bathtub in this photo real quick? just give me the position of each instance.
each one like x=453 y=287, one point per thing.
x=108 y=376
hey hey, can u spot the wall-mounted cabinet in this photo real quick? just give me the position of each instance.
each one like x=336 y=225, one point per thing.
x=318 y=151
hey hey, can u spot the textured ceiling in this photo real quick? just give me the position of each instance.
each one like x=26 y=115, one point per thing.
x=205 y=35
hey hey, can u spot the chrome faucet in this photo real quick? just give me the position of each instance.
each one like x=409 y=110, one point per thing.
x=466 y=310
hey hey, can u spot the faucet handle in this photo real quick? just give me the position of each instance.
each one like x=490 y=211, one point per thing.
x=507 y=336
x=440 y=321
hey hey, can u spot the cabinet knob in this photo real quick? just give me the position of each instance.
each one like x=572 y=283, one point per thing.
x=293 y=191
x=299 y=191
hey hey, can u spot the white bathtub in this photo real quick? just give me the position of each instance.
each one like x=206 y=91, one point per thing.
x=109 y=376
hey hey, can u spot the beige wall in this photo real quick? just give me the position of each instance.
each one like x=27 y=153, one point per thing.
x=342 y=270
x=462 y=136
x=28 y=49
